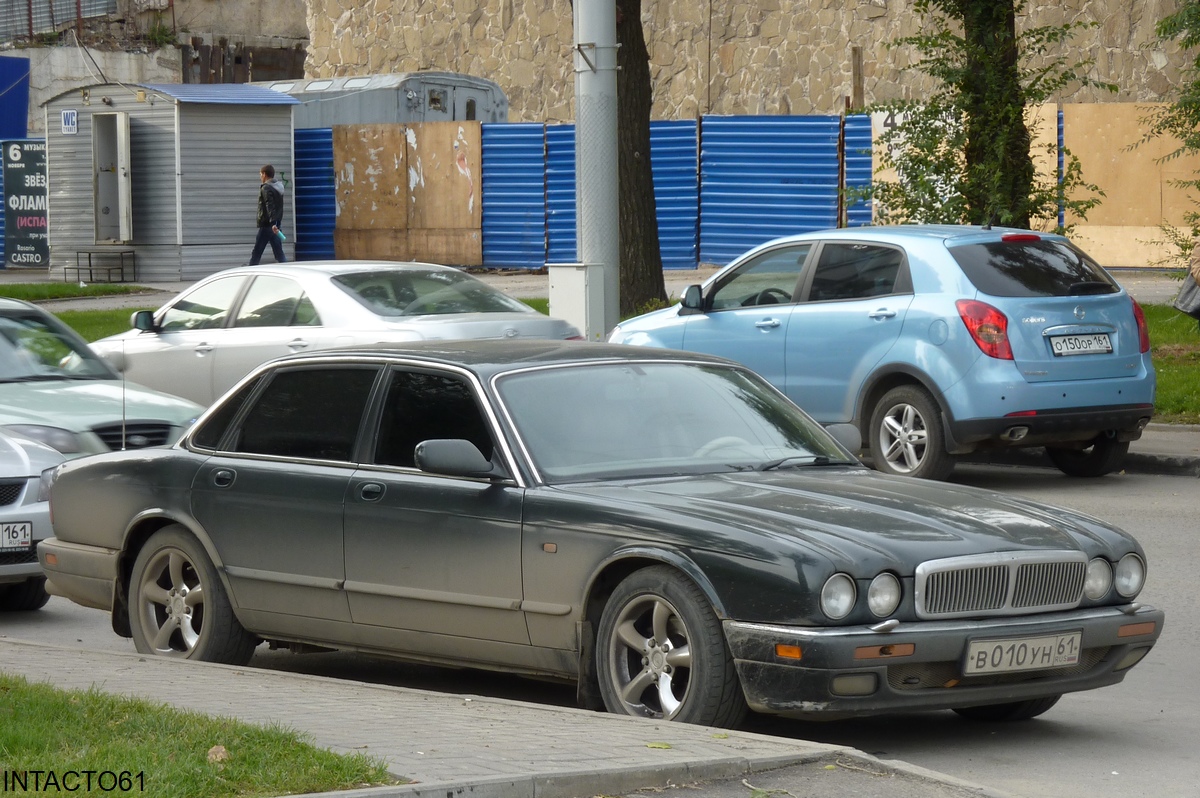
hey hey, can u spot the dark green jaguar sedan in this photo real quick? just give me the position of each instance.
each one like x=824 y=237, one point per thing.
x=664 y=528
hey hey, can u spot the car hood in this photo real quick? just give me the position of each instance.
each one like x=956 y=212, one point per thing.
x=82 y=404
x=22 y=457
x=484 y=325
x=856 y=518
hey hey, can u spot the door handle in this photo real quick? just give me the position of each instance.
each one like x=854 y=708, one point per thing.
x=370 y=491
x=203 y=349
x=882 y=313
x=223 y=477
x=298 y=343
x=767 y=324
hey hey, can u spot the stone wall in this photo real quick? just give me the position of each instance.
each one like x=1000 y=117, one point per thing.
x=714 y=56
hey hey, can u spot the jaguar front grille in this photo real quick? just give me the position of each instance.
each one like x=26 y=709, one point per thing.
x=1007 y=583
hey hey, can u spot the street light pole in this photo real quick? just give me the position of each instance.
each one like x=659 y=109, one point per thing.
x=596 y=183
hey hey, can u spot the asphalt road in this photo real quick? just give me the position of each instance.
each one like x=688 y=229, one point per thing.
x=1134 y=739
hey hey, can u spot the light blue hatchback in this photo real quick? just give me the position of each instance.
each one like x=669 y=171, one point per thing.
x=934 y=341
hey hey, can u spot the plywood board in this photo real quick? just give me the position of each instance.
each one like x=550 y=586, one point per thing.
x=1101 y=136
x=370 y=177
x=371 y=244
x=448 y=247
x=444 y=164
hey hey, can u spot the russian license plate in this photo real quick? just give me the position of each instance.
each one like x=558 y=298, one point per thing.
x=1022 y=653
x=1095 y=344
x=16 y=535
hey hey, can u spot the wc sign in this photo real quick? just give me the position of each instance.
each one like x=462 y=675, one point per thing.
x=70 y=122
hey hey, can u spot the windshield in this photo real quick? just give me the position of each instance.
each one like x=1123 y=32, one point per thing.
x=412 y=292
x=37 y=347
x=611 y=421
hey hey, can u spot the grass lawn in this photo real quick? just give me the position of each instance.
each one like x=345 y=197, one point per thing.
x=155 y=749
x=1175 y=349
x=33 y=292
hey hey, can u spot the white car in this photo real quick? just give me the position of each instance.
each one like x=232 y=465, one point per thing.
x=210 y=336
x=24 y=520
x=56 y=390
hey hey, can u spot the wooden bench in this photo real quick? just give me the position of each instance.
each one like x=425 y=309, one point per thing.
x=93 y=267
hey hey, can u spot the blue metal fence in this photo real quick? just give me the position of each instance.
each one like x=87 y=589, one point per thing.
x=673 y=153
x=721 y=186
x=514 y=195
x=316 y=208
x=762 y=177
x=560 y=194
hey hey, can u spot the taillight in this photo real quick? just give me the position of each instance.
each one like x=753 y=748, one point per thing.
x=1143 y=330
x=988 y=327
x=1020 y=237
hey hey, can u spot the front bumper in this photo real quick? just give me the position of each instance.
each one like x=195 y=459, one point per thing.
x=919 y=665
x=86 y=575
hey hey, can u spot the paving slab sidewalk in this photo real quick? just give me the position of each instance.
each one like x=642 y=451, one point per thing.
x=455 y=745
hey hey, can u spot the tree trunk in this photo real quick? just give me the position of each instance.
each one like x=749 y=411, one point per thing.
x=641 y=259
x=999 y=168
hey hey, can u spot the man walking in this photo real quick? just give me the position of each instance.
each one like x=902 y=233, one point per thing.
x=270 y=216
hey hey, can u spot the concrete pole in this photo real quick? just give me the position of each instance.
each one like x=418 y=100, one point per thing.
x=596 y=197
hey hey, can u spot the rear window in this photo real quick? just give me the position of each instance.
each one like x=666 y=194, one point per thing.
x=1032 y=268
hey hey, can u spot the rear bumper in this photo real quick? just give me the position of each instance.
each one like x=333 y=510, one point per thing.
x=919 y=666
x=1054 y=426
x=84 y=574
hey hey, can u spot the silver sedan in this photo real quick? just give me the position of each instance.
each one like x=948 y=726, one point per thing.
x=210 y=336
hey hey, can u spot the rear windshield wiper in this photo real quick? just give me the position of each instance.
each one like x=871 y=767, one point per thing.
x=1090 y=287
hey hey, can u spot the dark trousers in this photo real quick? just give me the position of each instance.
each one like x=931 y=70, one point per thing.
x=267 y=236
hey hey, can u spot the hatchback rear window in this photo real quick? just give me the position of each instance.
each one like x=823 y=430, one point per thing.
x=1032 y=268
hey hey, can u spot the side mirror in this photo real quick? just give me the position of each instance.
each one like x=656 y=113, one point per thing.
x=455 y=457
x=693 y=299
x=143 y=320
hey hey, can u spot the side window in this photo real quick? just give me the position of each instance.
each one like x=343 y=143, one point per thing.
x=421 y=406
x=308 y=413
x=274 y=302
x=768 y=279
x=212 y=429
x=204 y=308
x=855 y=271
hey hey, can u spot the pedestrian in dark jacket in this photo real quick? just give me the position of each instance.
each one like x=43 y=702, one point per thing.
x=270 y=216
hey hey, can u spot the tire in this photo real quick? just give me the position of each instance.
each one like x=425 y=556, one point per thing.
x=1006 y=713
x=24 y=596
x=661 y=653
x=1103 y=456
x=905 y=436
x=178 y=606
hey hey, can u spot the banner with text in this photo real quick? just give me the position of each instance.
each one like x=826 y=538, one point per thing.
x=26 y=242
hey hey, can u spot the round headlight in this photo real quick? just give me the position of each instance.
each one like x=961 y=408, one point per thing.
x=1099 y=579
x=837 y=597
x=1130 y=575
x=883 y=597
